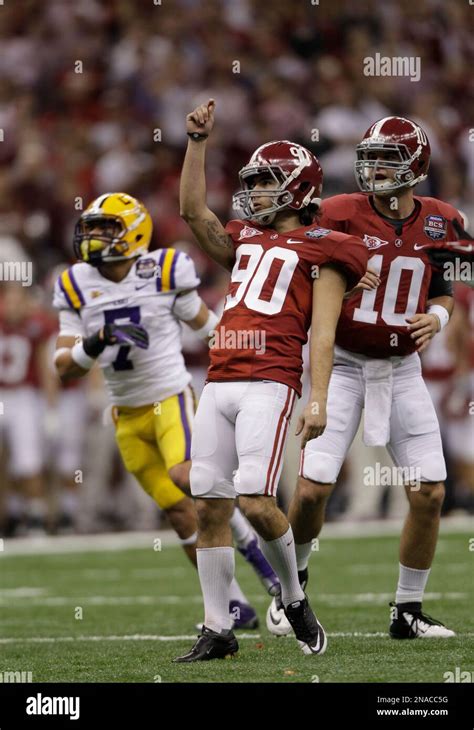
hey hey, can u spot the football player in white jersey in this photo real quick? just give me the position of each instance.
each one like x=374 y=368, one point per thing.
x=121 y=307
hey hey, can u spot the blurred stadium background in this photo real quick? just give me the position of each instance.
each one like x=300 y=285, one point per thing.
x=93 y=96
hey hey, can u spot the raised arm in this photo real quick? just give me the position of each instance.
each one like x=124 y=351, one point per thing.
x=205 y=225
x=328 y=294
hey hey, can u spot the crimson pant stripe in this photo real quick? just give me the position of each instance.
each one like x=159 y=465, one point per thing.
x=282 y=445
x=275 y=443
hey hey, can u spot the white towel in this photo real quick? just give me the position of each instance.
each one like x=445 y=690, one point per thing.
x=378 y=379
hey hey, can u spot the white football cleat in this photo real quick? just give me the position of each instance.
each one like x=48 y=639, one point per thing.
x=409 y=622
x=277 y=623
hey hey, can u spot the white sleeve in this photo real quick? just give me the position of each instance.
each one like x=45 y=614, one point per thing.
x=185 y=276
x=187 y=306
x=70 y=323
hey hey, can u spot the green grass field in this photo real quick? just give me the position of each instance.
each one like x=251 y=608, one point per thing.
x=139 y=608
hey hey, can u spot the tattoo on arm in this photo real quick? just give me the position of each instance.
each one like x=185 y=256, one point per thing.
x=215 y=237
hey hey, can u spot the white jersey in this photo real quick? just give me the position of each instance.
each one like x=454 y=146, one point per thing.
x=149 y=295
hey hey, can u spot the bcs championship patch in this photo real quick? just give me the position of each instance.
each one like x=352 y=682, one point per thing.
x=435 y=227
x=317 y=233
x=146 y=268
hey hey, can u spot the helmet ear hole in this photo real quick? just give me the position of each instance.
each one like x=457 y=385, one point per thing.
x=138 y=237
x=304 y=186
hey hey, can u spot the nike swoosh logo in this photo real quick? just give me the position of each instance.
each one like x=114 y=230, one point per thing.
x=292 y=240
x=137 y=288
x=274 y=621
x=417 y=247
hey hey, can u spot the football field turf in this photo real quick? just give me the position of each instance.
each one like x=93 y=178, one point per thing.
x=139 y=607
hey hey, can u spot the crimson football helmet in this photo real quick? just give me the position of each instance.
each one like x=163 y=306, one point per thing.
x=297 y=174
x=403 y=138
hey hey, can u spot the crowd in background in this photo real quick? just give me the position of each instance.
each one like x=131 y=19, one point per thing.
x=93 y=97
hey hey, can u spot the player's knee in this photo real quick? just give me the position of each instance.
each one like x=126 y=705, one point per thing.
x=182 y=517
x=321 y=468
x=429 y=499
x=252 y=507
x=311 y=494
x=212 y=513
x=179 y=475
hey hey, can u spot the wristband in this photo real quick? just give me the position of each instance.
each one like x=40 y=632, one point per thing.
x=95 y=344
x=442 y=314
x=197 y=137
x=80 y=356
x=204 y=331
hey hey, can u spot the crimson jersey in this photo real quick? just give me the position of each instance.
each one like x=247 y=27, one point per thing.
x=19 y=343
x=268 y=306
x=374 y=323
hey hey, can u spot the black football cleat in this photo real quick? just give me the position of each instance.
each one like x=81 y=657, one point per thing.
x=308 y=631
x=211 y=645
x=277 y=623
x=409 y=622
x=303 y=578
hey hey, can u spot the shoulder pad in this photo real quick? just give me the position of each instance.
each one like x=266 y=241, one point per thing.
x=67 y=284
x=177 y=271
x=342 y=207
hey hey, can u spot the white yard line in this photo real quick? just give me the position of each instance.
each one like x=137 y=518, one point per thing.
x=143 y=540
x=332 y=599
x=187 y=637
x=134 y=637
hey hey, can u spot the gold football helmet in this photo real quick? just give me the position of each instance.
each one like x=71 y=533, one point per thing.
x=114 y=227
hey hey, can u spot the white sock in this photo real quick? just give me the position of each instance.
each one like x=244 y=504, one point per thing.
x=236 y=593
x=216 y=572
x=280 y=553
x=411 y=585
x=303 y=552
x=241 y=529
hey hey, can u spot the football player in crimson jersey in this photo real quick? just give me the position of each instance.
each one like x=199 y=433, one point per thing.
x=25 y=379
x=287 y=273
x=377 y=366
